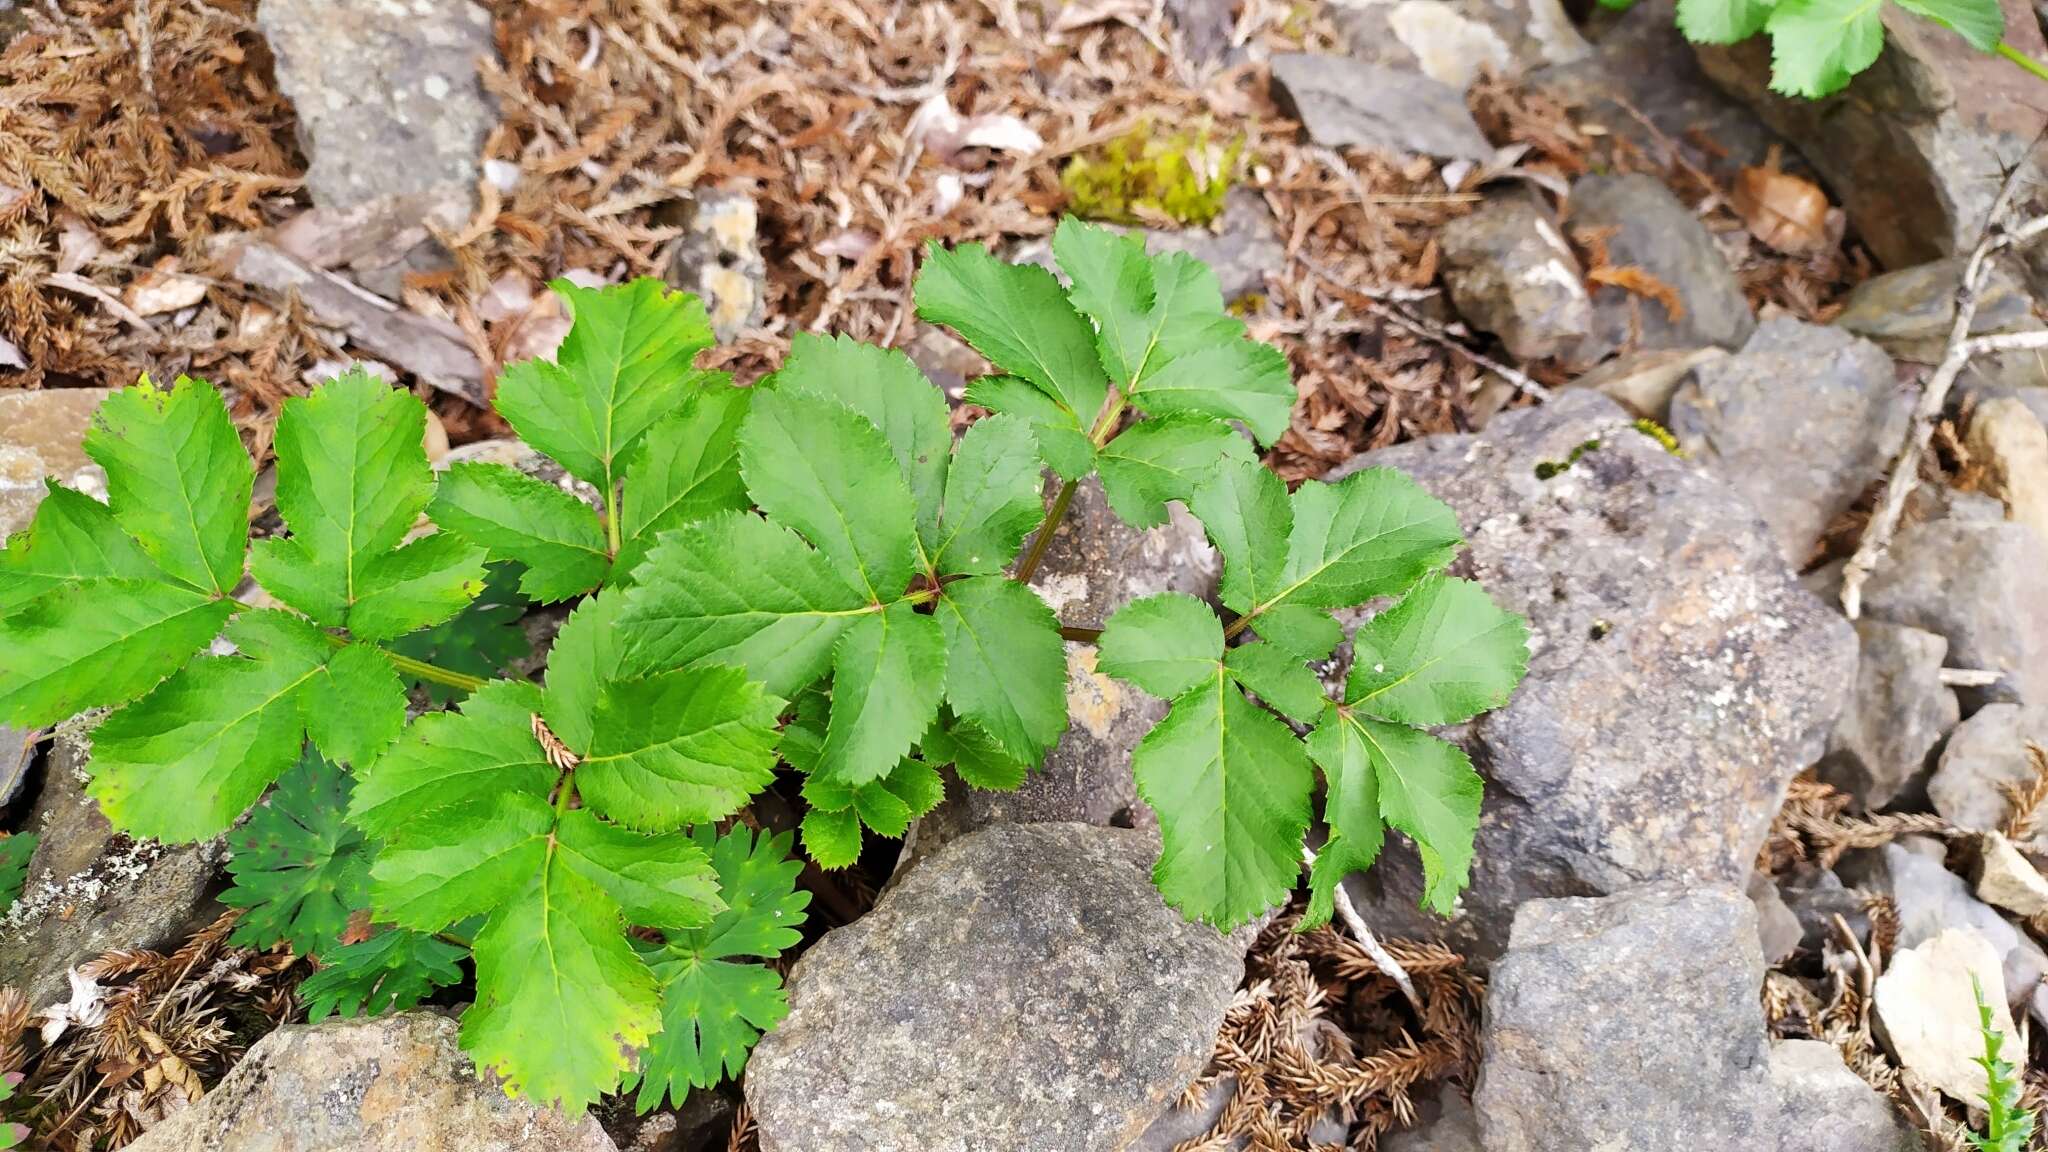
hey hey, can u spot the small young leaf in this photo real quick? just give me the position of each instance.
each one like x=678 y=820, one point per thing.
x=1149 y=310
x=300 y=869
x=1442 y=655
x=72 y=539
x=832 y=839
x=1017 y=316
x=1309 y=633
x=1279 y=678
x=178 y=480
x=887 y=676
x=624 y=364
x=517 y=517
x=359 y=709
x=390 y=972
x=682 y=747
x=96 y=643
x=686 y=468
x=1231 y=786
x=974 y=755
x=824 y=470
x=184 y=761
x=1006 y=667
x=1154 y=461
x=1165 y=643
x=449 y=758
x=1062 y=442
x=886 y=806
x=992 y=499
x=1818 y=45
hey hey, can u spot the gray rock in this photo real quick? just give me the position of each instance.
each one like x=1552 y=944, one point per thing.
x=1454 y=41
x=40 y=436
x=1342 y=103
x=1644 y=382
x=17 y=756
x=1931 y=900
x=1910 y=312
x=389 y=101
x=1816 y=897
x=1095 y=564
x=377 y=1084
x=1801 y=421
x=1446 y=1124
x=1917 y=146
x=1618 y=1022
x=1205 y=27
x=1824 y=1107
x=719 y=260
x=1983 y=584
x=1778 y=930
x=1678 y=677
x=1240 y=246
x=90 y=889
x=1646 y=227
x=1511 y=273
x=1984 y=756
x=1023 y=989
x=1898 y=711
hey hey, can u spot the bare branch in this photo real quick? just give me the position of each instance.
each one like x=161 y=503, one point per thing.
x=1388 y=966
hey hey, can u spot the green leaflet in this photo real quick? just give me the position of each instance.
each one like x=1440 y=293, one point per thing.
x=678 y=748
x=177 y=479
x=72 y=539
x=390 y=972
x=1818 y=45
x=512 y=516
x=1442 y=655
x=300 y=869
x=824 y=470
x=1006 y=668
x=991 y=501
x=1155 y=461
x=1166 y=644
x=658 y=881
x=974 y=755
x=715 y=1005
x=1981 y=22
x=417 y=586
x=887 y=676
x=1721 y=21
x=685 y=468
x=1017 y=316
x=359 y=707
x=1427 y=790
x=448 y=758
x=1062 y=442
x=1351 y=808
x=15 y=852
x=98 y=642
x=1278 y=678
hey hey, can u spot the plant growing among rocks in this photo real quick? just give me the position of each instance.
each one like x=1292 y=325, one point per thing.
x=811 y=572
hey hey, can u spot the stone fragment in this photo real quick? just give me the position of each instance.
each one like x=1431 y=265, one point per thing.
x=1898 y=711
x=1679 y=675
x=1983 y=585
x=41 y=435
x=2007 y=439
x=1342 y=103
x=394 y=1083
x=1644 y=382
x=1986 y=756
x=1800 y=421
x=2007 y=879
x=1825 y=1107
x=1023 y=988
x=1778 y=930
x=719 y=261
x=90 y=889
x=1454 y=42
x=1932 y=900
x=1643 y=227
x=1926 y=1009
x=1510 y=273
x=1910 y=312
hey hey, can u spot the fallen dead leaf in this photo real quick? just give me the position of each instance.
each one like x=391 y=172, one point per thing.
x=164 y=289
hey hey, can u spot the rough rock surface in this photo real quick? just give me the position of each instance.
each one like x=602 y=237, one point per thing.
x=1816 y=896
x=1095 y=564
x=380 y=1084
x=1453 y=1128
x=1679 y=676
x=1800 y=421
x=1825 y=1107
x=1646 y=227
x=1644 y=382
x=2008 y=440
x=121 y=893
x=1616 y=1022
x=1025 y=989
x=1916 y=147
x=2007 y=879
x=1981 y=583
x=1454 y=41
x=1926 y=1010
x=40 y=434
x=1987 y=753
x=719 y=261
x=1778 y=931
x=1511 y=273
x=389 y=101
x=1898 y=711
x=1342 y=103
x=1932 y=900
x=1910 y=312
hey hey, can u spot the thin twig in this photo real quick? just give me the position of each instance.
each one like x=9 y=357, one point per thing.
x=1384 y=960
x=1969 y=677
x=1877 y=534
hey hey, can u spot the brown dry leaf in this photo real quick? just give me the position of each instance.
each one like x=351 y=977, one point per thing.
x=1632 y=279
x=1787 y=212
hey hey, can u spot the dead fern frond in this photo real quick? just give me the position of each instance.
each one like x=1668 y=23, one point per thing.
x=2027 y=797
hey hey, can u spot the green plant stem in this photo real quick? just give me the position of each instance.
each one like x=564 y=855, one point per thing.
x=2022 y=59
x=1105 y=426
x=418 y=669
x=611 y=518
x=447 y=937
x=1083 y=635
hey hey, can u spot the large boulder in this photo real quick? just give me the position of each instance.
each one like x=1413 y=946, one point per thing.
x=1800 y=421
x=1678 y=677
x=1917 y=146
x=1024 y=988
x=376 y=1084
x=1641 y=225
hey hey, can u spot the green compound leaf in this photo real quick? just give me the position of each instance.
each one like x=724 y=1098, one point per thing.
x=992 y=499
x=1372 y=534
x=1166 y=644
x=390 y=972
x=352 y=477
x=450 y=758
x=522 y=518
x=974 y=755
x=359 y=709
x=1017 y=316
x=1240 y=380
x=178 y=480
x=300 y=868
x=72 y=539
x=1722 y=21
x=1442 y=655
x=886 y=806
x=1006 y=666
x=736 y=589
x=824 y=470
x=1277 y=677
x=887 y=676
x=685 y=468
x=625 y=364
x=96 y=643
x=15 y=851
x=583 y=661
x=715 y=1006
x=1231 y=786
x=461 y=860
x=1155 y=461
x=1818 y=45
x=184 y=761
x=659 y=881
x=1244 y=509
